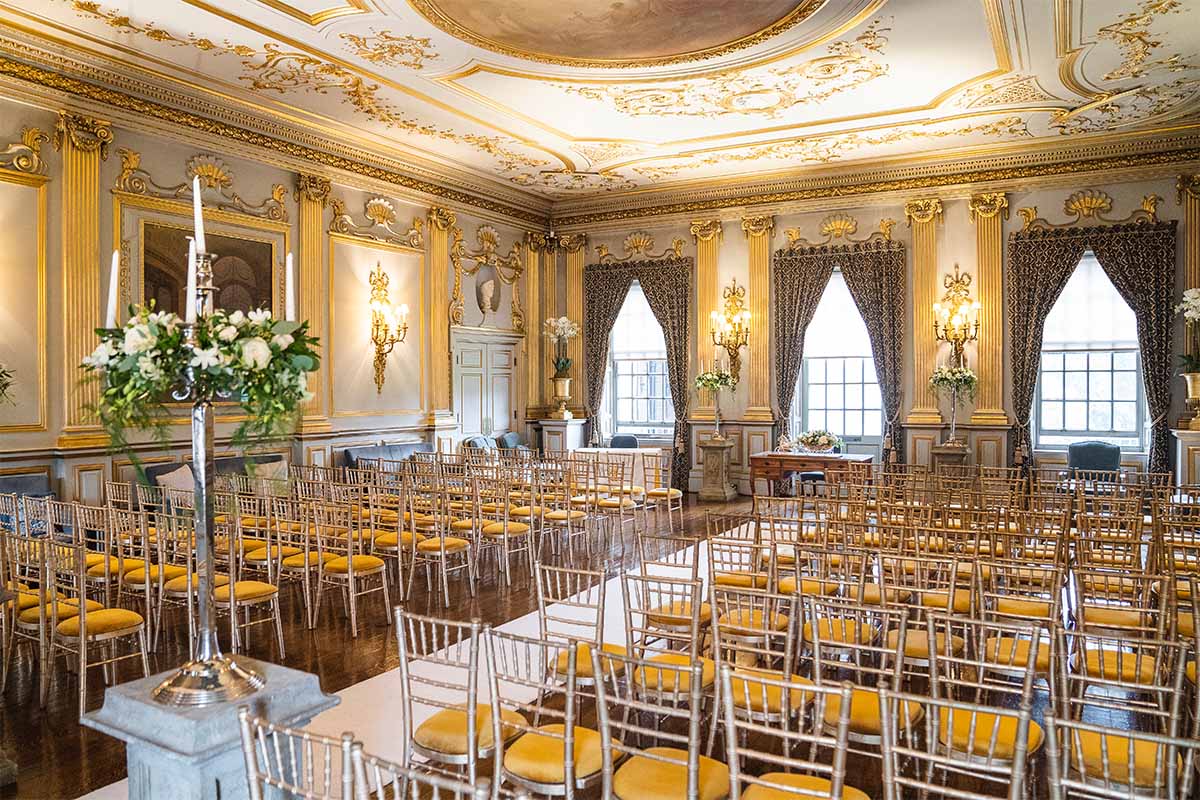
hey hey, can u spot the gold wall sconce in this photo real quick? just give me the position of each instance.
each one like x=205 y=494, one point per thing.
x=389 y=325
x=731 y=326
x=956 y=317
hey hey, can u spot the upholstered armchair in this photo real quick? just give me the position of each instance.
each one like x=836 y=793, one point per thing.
x=624 y=441
x=1093 y=456
x=510 y=441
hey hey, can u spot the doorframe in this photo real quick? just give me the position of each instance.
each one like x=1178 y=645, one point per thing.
x=460 y=334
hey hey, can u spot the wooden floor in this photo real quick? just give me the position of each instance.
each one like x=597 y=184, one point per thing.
x=58 y=758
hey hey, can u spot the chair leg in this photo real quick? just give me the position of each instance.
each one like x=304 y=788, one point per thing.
x=278 y=626
x=387 y=600
x=443 y=568
x=352 y=602
x=142 y=648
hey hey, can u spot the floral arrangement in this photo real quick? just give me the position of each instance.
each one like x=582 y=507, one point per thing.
x=960 y=381
x=6 y=382
x=261 y=362
x=714 y=380
x=560 y=330
x=1190 y=308
x=819 y=440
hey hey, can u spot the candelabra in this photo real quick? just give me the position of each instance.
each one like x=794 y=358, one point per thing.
x=956 y=317
x=731 y=326
x=388 y=327
x=209 y=677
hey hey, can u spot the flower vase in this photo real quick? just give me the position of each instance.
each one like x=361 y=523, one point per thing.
x=953 y=417
x=1192 y=380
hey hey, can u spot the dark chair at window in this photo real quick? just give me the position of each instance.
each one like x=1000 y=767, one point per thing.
x=624 y=441
x=510 y=441
x=1093 y=456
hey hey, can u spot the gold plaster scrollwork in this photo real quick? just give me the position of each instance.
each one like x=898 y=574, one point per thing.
x=540 y=241
x=125 y=274
x=85 y=133
x=841 y=227
x=313 y=188
x=26 y=155
x=214 y=176
x=922 y=211
x=705 y=230
x=381 y=216
x=573 y=242
x=1187 y=186
x=988 y=205
x=639 y=244
x=1091 y=204
x=386 y=49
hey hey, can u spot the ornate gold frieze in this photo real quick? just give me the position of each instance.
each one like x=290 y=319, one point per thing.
x=1090 y=204
x=1187 y=186
x=1131 y=33
x=26 y=155
x=565 y=181
x=988 y=205
x=381 y=217
x=758 y=225
x=705 y=230
x=214 y=176
x=85 y=133
x=386 y=49
x=639 y=245
x=572 y=242
x=599 y=152
x=923 y=210
x=508 y=269
x=762 y=92
x=313 y=188
x=842 y=227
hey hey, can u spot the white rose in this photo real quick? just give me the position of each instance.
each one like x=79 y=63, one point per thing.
x=237 y=318
x=256 y=354
x=148 y=369
x=282 y=340
x=206 y=358
x=259 y=316
x=100 y=356
x=227 y=334
x=137 y=340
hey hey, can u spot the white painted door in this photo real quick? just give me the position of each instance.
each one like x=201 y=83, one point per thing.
x=485 y=386
x=469 y=394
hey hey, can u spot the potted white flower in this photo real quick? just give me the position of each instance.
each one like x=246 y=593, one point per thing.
x=1189 y=362
x=560 y=331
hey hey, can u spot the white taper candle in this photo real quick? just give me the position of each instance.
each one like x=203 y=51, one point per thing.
x=114 y=279
x=189 y=301
x=198 y=215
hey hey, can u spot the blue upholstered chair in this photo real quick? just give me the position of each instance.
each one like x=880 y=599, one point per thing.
x=479 y=443
x=624 y=441
x=510 y=441
x=1093 y=456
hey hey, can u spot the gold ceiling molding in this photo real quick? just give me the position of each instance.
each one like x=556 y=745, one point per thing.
x=26 y=155
x=1009 y=90
x=598 y=152
x=430 y=11
x=1131 y=33
x=508 y=268
x=314 y=188
x=922 y=211
x=214 y=176
x=705 y=230
x=381 y=216
x=346 y=8
x=85 y=133
x=59 y=81
x=565 y=181
x=1092 y=205
x=386 y=49
x=638 y=245
x=769 y=92
x=840 y=227
x=573 y=242
x=987 y=205
x=1187 y=186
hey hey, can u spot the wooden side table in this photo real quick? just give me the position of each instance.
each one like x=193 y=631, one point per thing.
x=716 y=484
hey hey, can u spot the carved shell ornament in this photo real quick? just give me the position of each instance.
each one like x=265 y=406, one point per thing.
x=841 y=227
x=1090 y=204
x=639 y=243
x=211 y=170
x=380 y=211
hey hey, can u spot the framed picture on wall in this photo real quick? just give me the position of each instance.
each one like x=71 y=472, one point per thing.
x=243 y=268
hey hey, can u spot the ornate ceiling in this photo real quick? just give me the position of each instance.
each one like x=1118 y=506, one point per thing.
x=578 y=98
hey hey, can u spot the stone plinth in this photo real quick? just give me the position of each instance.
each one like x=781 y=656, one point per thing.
x=949 y=454
x=562 y=434
x=717 y=484
x=195 y=753
x=1187 y=456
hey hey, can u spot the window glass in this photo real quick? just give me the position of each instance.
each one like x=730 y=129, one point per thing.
x=637 y=394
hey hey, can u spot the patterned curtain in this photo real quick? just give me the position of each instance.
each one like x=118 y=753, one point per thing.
x=604 y=290
x=799 y=277
x=875 y=275
x=1139 y=258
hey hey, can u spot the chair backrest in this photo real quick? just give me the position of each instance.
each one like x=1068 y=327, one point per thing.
x=570 y=604
x=624 y=441
x=294 y=762
x=1093 y=455
x=377 y=778
x=663 y=612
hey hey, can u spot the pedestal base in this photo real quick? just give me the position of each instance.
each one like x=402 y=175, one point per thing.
x=195 y=753
x=717 y=485
x=949 y=453
x=562 y=434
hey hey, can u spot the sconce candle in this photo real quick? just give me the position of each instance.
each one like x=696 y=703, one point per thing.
x=386 y=329
x=289 y=292
x=198 y=215
x=189 y=302
x=956 y=317
x=114 y=278
x=731 y=327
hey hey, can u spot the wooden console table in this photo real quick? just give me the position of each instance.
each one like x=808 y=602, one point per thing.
x=773 y=466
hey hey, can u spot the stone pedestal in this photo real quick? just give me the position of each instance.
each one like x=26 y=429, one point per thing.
x=1187 y=456
x=717 y=484
x=195 y=753
x=949 y=454
x=562 y=434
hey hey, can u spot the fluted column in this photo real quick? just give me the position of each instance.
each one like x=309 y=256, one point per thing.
x=313 y=192
x=441 y=233
x=535 y=247
x=758 y=231
x=708 y=235
x=84 y=143
x=549 y=309
x=1187 y=193
x=988 y=211
x=575 y=246
x=923 y=217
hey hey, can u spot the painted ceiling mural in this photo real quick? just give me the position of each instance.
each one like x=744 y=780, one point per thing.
x=575 y=98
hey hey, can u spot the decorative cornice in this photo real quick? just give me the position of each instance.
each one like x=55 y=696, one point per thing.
x=313 y=188
x=85 y=133
x=381 y=215
x=573 y=242
x=26 y=155
x=705 y=230
x=1090 y=204
x=442 y=219
x=924 y=210
x=843 y=227
x=988 y=205
x=758 y=225
x=214 y=176
x=1187 y=186
x=638 y=245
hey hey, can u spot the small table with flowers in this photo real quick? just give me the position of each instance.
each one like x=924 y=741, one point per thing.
x=773 y=466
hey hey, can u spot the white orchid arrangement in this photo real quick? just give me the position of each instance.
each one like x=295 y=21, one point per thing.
x=819 y=440
x=958 y=381
x=260 y=362
x=714 y=380
x=6 y=382
x=1189 y=307
x=560 y=330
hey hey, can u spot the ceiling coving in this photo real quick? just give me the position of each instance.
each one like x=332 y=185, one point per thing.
x=559 y=100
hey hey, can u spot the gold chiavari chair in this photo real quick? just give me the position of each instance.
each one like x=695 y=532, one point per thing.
x=395 y=539
x=119 y=494
x=618 y=498
x=665 y=619
x=27 y=571
x=295 y=532
x=1108 y=541
x=661 y=494
x=1037 y=537
x=674 y=556
x=571 y=609
x=735 y=562
x=924 y=585
x=445 y=549
x=1017 y=591
x=294 y=762
x=1121 y=601
x=499 y=531
x=343 y=566
x=144 y=570
x=1106 y=673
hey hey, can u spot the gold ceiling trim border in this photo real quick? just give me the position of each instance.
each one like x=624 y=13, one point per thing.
x=508 y=268
x=381 y=216
x=214 y=175
x=346 y=8
x=638 y=244
x=841 y=227
x=1090 y=206
x=434 y=15
x=26 y=154
x=60 y=82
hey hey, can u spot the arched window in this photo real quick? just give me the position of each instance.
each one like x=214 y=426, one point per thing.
x=838 y=390
x=637 y=395
x=1090 y=379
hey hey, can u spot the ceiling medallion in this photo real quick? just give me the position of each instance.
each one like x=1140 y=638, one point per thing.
x=631 y=33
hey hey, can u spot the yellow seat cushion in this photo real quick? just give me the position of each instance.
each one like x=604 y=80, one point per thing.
x=1121 y=665
x=1114 y=617
x=180 y=584
x=615 y=502
x=1190 y=671
x=434 y=544
x=245 y=590
x=678 y=613
x=865 y=716
x=806 y=784
x=65 y=609
x=957 y=728
x=510 y=527
x=111 y=565
x=264 y=554
x=744 y=580
x=446 y=731
x=247 y=544
x=1093 y=745
x=745 y=619
x=846 y=631
x=642 y=778
x=528 y=511
x=939 y=599
x=916 y=642
x=341 y=564
x=1006 y=651
x=108 y=620
x=583 y=660
x=749 y=693
x=462 y=525
x=303 y=560
x=31 y=599
x=562 y=515
x=1020 y=607
x=540 y=759
x=1186 y=624
x=658 y=494
x=169 y=571
x=390 y=541
x=807 y=586
x=873 y=594
x=649 y=677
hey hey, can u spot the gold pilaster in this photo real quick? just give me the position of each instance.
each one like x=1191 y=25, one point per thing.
x=708 y=235
x=988 y=211
x=84 y=143
x=534 y=249
x=312 y=191
x=549 y=309
x=442 y=231
x=1187 y=193
x=758 y=231
x=575 y=246
x=923 y=217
